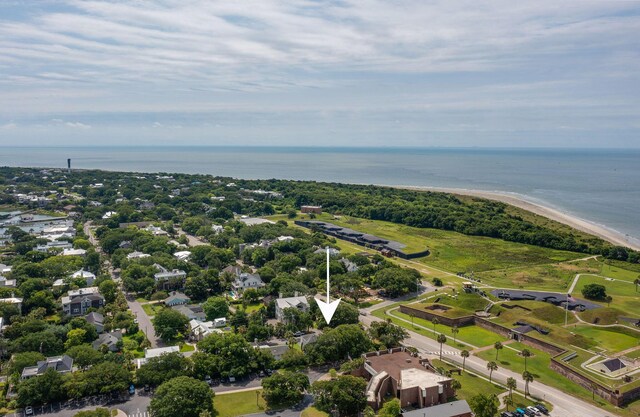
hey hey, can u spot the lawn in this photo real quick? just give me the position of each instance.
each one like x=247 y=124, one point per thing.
x=474 y=335
x=313 y=412
x=625 y=298
x=187 y=348
x=152 y=309
x=612 y=339
x=239 y=403
x=550 y=276
x=453 y=251
x=253 y=307
x=472 y=385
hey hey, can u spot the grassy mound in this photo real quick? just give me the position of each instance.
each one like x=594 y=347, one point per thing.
x=604 y=315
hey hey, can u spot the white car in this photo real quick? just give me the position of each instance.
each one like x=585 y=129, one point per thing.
x=28 y=411
x=534 y=410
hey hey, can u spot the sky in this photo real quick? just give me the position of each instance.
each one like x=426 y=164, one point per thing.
x=320 y=73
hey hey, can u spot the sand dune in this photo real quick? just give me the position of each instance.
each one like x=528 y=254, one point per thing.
x=577 y=223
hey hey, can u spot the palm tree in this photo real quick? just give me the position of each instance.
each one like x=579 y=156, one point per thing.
x=435 y=322
x=441 y=339
x=637 y=282
x=492 y=366
x=608 y=299
x=465 y=354
x=454 y=332
x=594 y=387
x=511 y=384
x=528 y=378
x=507 y=401
x=498 y=347
x=525 y=354
x=412 y=316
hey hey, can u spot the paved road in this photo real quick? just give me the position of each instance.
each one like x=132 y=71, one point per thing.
x=564 y=405
x=144 y=322
x=193 y=241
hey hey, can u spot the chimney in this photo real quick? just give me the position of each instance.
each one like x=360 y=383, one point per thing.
x=280 y=295
x=295 y=294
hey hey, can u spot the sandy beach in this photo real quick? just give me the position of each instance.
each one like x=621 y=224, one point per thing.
x=577 y=223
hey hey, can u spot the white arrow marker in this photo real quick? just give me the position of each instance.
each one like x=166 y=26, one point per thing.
x=329 y=307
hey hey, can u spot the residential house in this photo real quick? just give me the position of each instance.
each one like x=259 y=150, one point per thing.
x=217 y=228
x=177 y=298
x=246 y=280
x=13 y=300
x=74 y=252
x=192 y=312
x=154 y=353
x=201 y=329
x=169 y=279
x=89 y=277
x=4 y=269
x=61 y=364
x=110 y=340
x=311 y=209
x=96 y=319
x=137 y=255
x=458 y=408
x=232 y=269
x=78 y=302
x=332 y=251
x=7 y=283
x=155 y=230
x=56 y=244
x=59 y=283
x=349 y=265
x=407 y=377
x=109 y=214
x=182 y=255
x=276 y=350
x=298 y=302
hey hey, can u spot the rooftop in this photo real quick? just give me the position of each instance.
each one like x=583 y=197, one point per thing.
x=453 y=408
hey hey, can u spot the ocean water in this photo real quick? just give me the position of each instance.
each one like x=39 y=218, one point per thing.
x=601 y=186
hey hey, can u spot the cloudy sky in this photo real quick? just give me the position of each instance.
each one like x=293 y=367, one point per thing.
x=309 y=72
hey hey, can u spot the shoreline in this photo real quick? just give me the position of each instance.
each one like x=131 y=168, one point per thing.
x=611 y=236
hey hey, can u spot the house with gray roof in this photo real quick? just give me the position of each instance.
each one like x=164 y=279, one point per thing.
x=246 y=280
x=78 y=302
x=96 y=319
x=110 y=340
x=61 y=364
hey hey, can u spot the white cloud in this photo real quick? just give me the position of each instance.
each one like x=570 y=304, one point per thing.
x=77 y=125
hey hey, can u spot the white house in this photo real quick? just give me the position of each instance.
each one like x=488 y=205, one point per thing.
x=182 y=255
x=245 y=280
x=88 y=276
x=154 y=353
x=200 y=330
x=109 y=214
x=7 y=283
x=74 y=252
x=13 y=300
x=137 y=255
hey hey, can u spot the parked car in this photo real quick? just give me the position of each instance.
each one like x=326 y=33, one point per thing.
x=232 y=379
x=298 y=334
x=542 y=408
x=208 y=380
x=147 y=388
x=529 y=413
x=28 y=411
x=534 y=410
x=520 y=411
x=132 y=389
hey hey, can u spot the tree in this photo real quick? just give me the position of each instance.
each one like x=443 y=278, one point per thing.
x=345 y=314
x=232 y=354
x=170 y=324
x=526 y=353
x=491 y=366
x=75 y=337
x=390 y=408
x=454 y=332
x=594 y=292
x=396 y=281
x=456 y=385
x=284 y=388
x=42 y=389
x=19 y=361
x=441 y=339
x=608 y=299
x=435 y=322
x=182 y=397
x=484 y=405
x=528 y=378
x=498 y=348
x=84 y=355
x=346 y=393
x=215 y=307
x=637 y=282
x=511 y=384
x=347 y=340
x=465 y=354
x=387 y=334
x=109 y=290
x=507 y=400
x=163 y=368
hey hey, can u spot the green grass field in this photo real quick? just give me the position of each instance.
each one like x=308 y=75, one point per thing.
x=313 y=412
x=550 y=276
x=152 y=309
x=453 y=251
x=474 y=335
x=625 y=297
x=612 y=339
x=239 y=403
